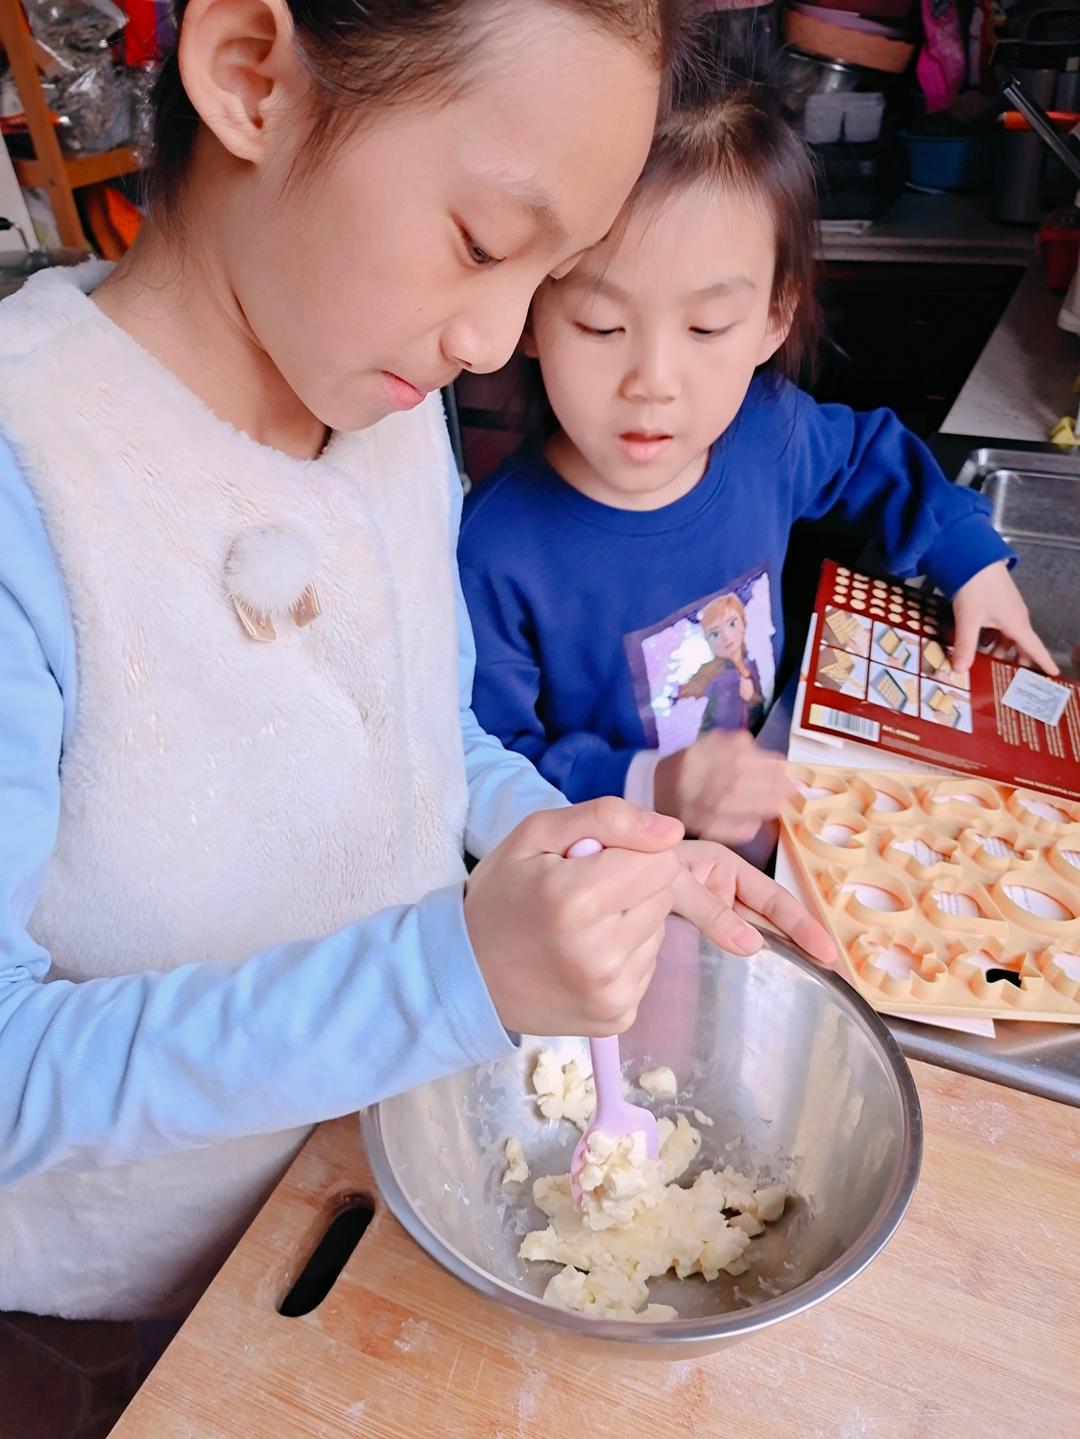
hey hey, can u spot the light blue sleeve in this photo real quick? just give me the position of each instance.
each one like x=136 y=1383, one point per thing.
x=112 y=1070
x=504 y=787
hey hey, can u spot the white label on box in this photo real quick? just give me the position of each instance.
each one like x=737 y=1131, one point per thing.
x=1035 y=695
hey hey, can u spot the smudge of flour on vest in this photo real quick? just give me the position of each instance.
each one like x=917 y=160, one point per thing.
x=637 y=1222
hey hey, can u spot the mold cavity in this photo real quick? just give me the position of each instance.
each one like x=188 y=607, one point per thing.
x=815 y=791
x=965 y=798
x=871 y=897
x=960 y=906
x=897 y=961
x=1070 y=965
x=1033 y=901
x=1071 y=856
x=840 y=835
x=997 y=847
x=1045 y=810
x=984 y=960
x=923 y=853
x=886 y=802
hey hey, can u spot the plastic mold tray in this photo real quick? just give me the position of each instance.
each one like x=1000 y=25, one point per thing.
x=945 y=894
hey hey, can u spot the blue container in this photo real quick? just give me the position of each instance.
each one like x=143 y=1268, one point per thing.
x=949 y=162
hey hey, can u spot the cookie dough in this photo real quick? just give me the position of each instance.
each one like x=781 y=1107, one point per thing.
x=606 y=1294
x=659 y=1082
x=641 y=1229
x=517 y=1169
x=563 y=1091
x=617 y=1180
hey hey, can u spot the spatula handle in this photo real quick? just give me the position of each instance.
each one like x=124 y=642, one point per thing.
x=606 y=1060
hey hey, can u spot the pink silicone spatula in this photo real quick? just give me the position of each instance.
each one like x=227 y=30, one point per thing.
x=614 y=1115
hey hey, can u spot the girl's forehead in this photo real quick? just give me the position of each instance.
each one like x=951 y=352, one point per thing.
x=701 y=240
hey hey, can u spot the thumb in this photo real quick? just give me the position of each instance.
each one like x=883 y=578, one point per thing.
x=613 y=822
x=966 y=640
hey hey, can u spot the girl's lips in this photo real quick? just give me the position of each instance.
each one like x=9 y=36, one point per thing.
x=641 y=446
x=400 y=393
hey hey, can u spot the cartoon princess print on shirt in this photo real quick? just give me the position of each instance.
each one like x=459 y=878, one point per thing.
x=709 y=665
x=730 y=682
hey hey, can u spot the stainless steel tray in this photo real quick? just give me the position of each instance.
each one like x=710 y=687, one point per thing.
x=1036 y=507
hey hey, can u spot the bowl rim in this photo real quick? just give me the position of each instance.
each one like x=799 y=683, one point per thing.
x=689 y=1333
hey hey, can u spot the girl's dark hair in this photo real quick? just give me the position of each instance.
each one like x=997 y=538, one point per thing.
x=364 y=53
x=740 y=141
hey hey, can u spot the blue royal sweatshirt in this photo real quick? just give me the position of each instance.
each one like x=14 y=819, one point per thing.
x=601 y=632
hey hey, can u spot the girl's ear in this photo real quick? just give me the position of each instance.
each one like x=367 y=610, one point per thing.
x=240 y=69
x=781 y=319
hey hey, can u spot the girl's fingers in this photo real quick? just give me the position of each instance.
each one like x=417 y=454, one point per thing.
x=638 y=925
x=1033 y=649
x=616 y=824
x=620 y=881
x=783 y=911
x=713 y=917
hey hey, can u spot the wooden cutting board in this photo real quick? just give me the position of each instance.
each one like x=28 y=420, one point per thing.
x=966 y=1327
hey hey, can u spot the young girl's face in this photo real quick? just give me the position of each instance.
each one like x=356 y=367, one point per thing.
x=412 y=252
x=725 y=636
x=648 y=347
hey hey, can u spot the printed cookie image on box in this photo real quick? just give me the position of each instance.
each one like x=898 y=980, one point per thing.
x=839 y=671
x=894 y=689
x=935 y=666
x=896 y=648
x=845 y=631
x=941 y=704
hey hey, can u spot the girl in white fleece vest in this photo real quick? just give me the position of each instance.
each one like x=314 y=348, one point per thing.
x=238 y=770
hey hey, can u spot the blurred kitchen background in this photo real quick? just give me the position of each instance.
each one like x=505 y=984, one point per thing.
x=940 y=200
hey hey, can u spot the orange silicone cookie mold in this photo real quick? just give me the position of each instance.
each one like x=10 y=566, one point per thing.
x=945 y=894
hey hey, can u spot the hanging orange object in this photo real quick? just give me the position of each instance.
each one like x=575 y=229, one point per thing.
x=112 y=219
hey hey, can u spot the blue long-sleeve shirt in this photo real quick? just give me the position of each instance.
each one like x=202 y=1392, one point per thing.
x=602 y=632
x=115 y=1070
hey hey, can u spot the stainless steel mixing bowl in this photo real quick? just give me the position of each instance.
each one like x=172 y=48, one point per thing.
x=806 y=1088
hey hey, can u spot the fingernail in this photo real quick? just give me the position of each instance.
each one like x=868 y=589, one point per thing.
x=746 y=937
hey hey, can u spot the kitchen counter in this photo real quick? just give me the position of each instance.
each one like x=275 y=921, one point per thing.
x=967 y=1324
x=929 y=229
x=1022 y=383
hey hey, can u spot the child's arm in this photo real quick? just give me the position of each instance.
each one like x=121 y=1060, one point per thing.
x=877 y=474
x=504 y=787
x=506 y=691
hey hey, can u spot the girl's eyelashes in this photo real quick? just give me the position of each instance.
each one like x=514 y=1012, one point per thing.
x=704 y=334
x=479 y=257
x=595 y=331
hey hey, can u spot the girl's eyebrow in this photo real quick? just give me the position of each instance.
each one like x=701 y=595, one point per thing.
x=597 y=284
x=526 y=192
x=580 y=279
x=723 y=287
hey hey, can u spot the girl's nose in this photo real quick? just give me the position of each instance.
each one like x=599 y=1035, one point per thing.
x=652 y=377
x=485 y=339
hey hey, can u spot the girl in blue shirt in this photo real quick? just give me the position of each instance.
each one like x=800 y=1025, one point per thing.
x=238 y=767
x=682 y=454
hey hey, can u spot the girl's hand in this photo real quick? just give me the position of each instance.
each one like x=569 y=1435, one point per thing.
x=723 y=787
x=568 y=946
x=714 y=879
x=991 y=600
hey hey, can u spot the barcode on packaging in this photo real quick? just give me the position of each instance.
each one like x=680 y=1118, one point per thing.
x=826 y=717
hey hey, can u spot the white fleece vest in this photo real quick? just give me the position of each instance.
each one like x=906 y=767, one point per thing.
x=220 y=795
